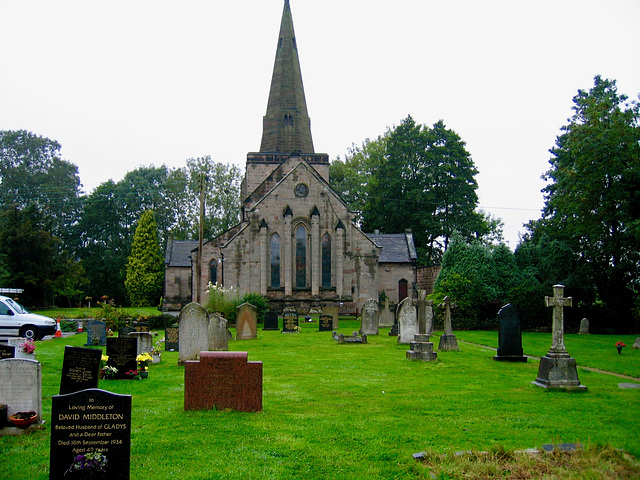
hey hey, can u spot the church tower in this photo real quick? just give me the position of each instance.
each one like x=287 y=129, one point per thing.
x=286 y=127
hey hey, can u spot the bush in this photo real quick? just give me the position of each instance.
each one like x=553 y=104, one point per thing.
x=160 y=322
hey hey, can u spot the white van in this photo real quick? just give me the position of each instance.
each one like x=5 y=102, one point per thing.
x=16 y=321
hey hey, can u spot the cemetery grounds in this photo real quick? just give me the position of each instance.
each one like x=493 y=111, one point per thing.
x=361 y=412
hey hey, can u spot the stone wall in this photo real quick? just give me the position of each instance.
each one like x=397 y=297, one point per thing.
x=427 y=277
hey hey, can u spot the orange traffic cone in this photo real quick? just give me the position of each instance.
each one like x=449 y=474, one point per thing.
x=80 y=329
x=58 y=333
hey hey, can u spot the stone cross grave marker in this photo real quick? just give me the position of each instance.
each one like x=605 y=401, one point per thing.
x=246 y=322
x=407 y=321
x=21 y=381
x=290 y=322
x=421 y=305
x=448 y=341
x=218 y=332
x=509 y=336
x=370 y=318
x=172 y=339
x=90 y=423
x=80 y=368
x=557 y=369
x=194 y=332
x=122 y=353
x=96 y=333
x=223 y=380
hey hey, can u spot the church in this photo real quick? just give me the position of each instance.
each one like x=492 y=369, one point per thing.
x=297 y=243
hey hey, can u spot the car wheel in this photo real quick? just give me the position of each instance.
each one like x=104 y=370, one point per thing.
x=30 y=332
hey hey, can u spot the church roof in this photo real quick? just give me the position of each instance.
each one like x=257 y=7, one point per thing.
x=286 y=126
x=396 y=247
x=178 y=253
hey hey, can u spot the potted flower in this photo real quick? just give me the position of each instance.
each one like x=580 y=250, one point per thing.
x=156 y=353
x=88 y=465
x=110 y=372
x=27 y=349
x=620 y=346
x=133 y=374
x=23 y=419
x=103 y=363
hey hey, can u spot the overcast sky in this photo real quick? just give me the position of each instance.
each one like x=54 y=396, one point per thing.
x=123 y=84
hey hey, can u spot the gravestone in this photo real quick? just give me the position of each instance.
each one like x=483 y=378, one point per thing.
x=584 y=327
x=125 y=331
x=448 y=341
x=386 y=316
x=334 y=312
x=144 y=341
x=429 y=318
x=290 y=323
x=407 y=321
x=270 y=321
x=141 y=326
x=223 y=380
x=509 y=336
x=80 y=368
x=171 y=339
x=421 y=307
x=246 y=322
x=557 y=369
x=122 y=353
x=96 y=333
x=218 y=333
x=7 y=351
x=636 y=344
x=17 y=344
x=354 y=338
x=421 y=349
x=90 y=424
x=194 y=332
x=21 y=381
x=326 y=323
x=370 y=318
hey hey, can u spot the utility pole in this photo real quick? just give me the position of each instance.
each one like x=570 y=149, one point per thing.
x=201 y=187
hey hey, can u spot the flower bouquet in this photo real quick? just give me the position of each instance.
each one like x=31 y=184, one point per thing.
x=110 y=372
x=28 y=346
x=89 y=465
x=620 y=346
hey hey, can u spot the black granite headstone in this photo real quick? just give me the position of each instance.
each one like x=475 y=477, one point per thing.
x=325 y=323
x=7 y=351
x=290 y=323
x=122 y=353
x=90 y=435
x=509 y=336
x=270 y=321
x=80 y=368
x=96 y=333
x=124 y=331
x=172 y=339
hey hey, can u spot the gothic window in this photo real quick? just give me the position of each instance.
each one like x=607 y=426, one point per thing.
x=301 y=257
x=275 y=261
x=288 y=120
x=326 y=261
x=213 y=271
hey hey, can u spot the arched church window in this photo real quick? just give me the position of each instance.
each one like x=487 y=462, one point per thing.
x=326 y=261
x=275 y=261
x=213 y=271
x=301 y=257
x=288 y=120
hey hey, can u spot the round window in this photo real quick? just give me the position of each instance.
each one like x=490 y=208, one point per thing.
x=301 y=190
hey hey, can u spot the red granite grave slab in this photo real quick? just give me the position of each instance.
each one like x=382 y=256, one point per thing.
x=223 y=380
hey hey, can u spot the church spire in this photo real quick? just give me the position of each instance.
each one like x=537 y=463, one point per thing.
x=286 y=127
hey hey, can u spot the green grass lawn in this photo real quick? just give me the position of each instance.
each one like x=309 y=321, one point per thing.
x=95 y=312
x=354 y=411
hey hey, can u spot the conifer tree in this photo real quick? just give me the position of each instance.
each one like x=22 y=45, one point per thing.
x=145 y=269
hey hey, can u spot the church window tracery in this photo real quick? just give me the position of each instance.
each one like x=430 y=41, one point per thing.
x=301 y=257
x=275 y=261
x=326 y=261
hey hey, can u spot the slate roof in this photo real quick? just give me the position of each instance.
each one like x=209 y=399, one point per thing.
x=179 y=253
x=396 y=247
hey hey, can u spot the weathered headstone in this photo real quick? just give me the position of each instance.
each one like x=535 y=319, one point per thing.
x=407 y=321
x=429 y=319
x=194 y=332
x=325 y=324
x=421 y=308
x=386 y=316
x=270 y=321
x=448 y=341
x=96 y=333
x=7 y=351
x=246 y=322
x=172 y=339
x=584 y=327
x=144 y=341
x=21 y=381
x=370 y=317
x=557 y=369
x=122 y=353
x=223 y=380
x=354 y=338
x=334 y=312
x=218 y=332
x=509 y=336
x=90 y=435
x=290 y=322
x=80 y=368
x=636 y=344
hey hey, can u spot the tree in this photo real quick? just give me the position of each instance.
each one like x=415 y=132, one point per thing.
x=592 y=202
x=145 y=265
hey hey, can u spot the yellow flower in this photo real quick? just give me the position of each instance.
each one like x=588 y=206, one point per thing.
x=144 y=357
x=105 y=358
